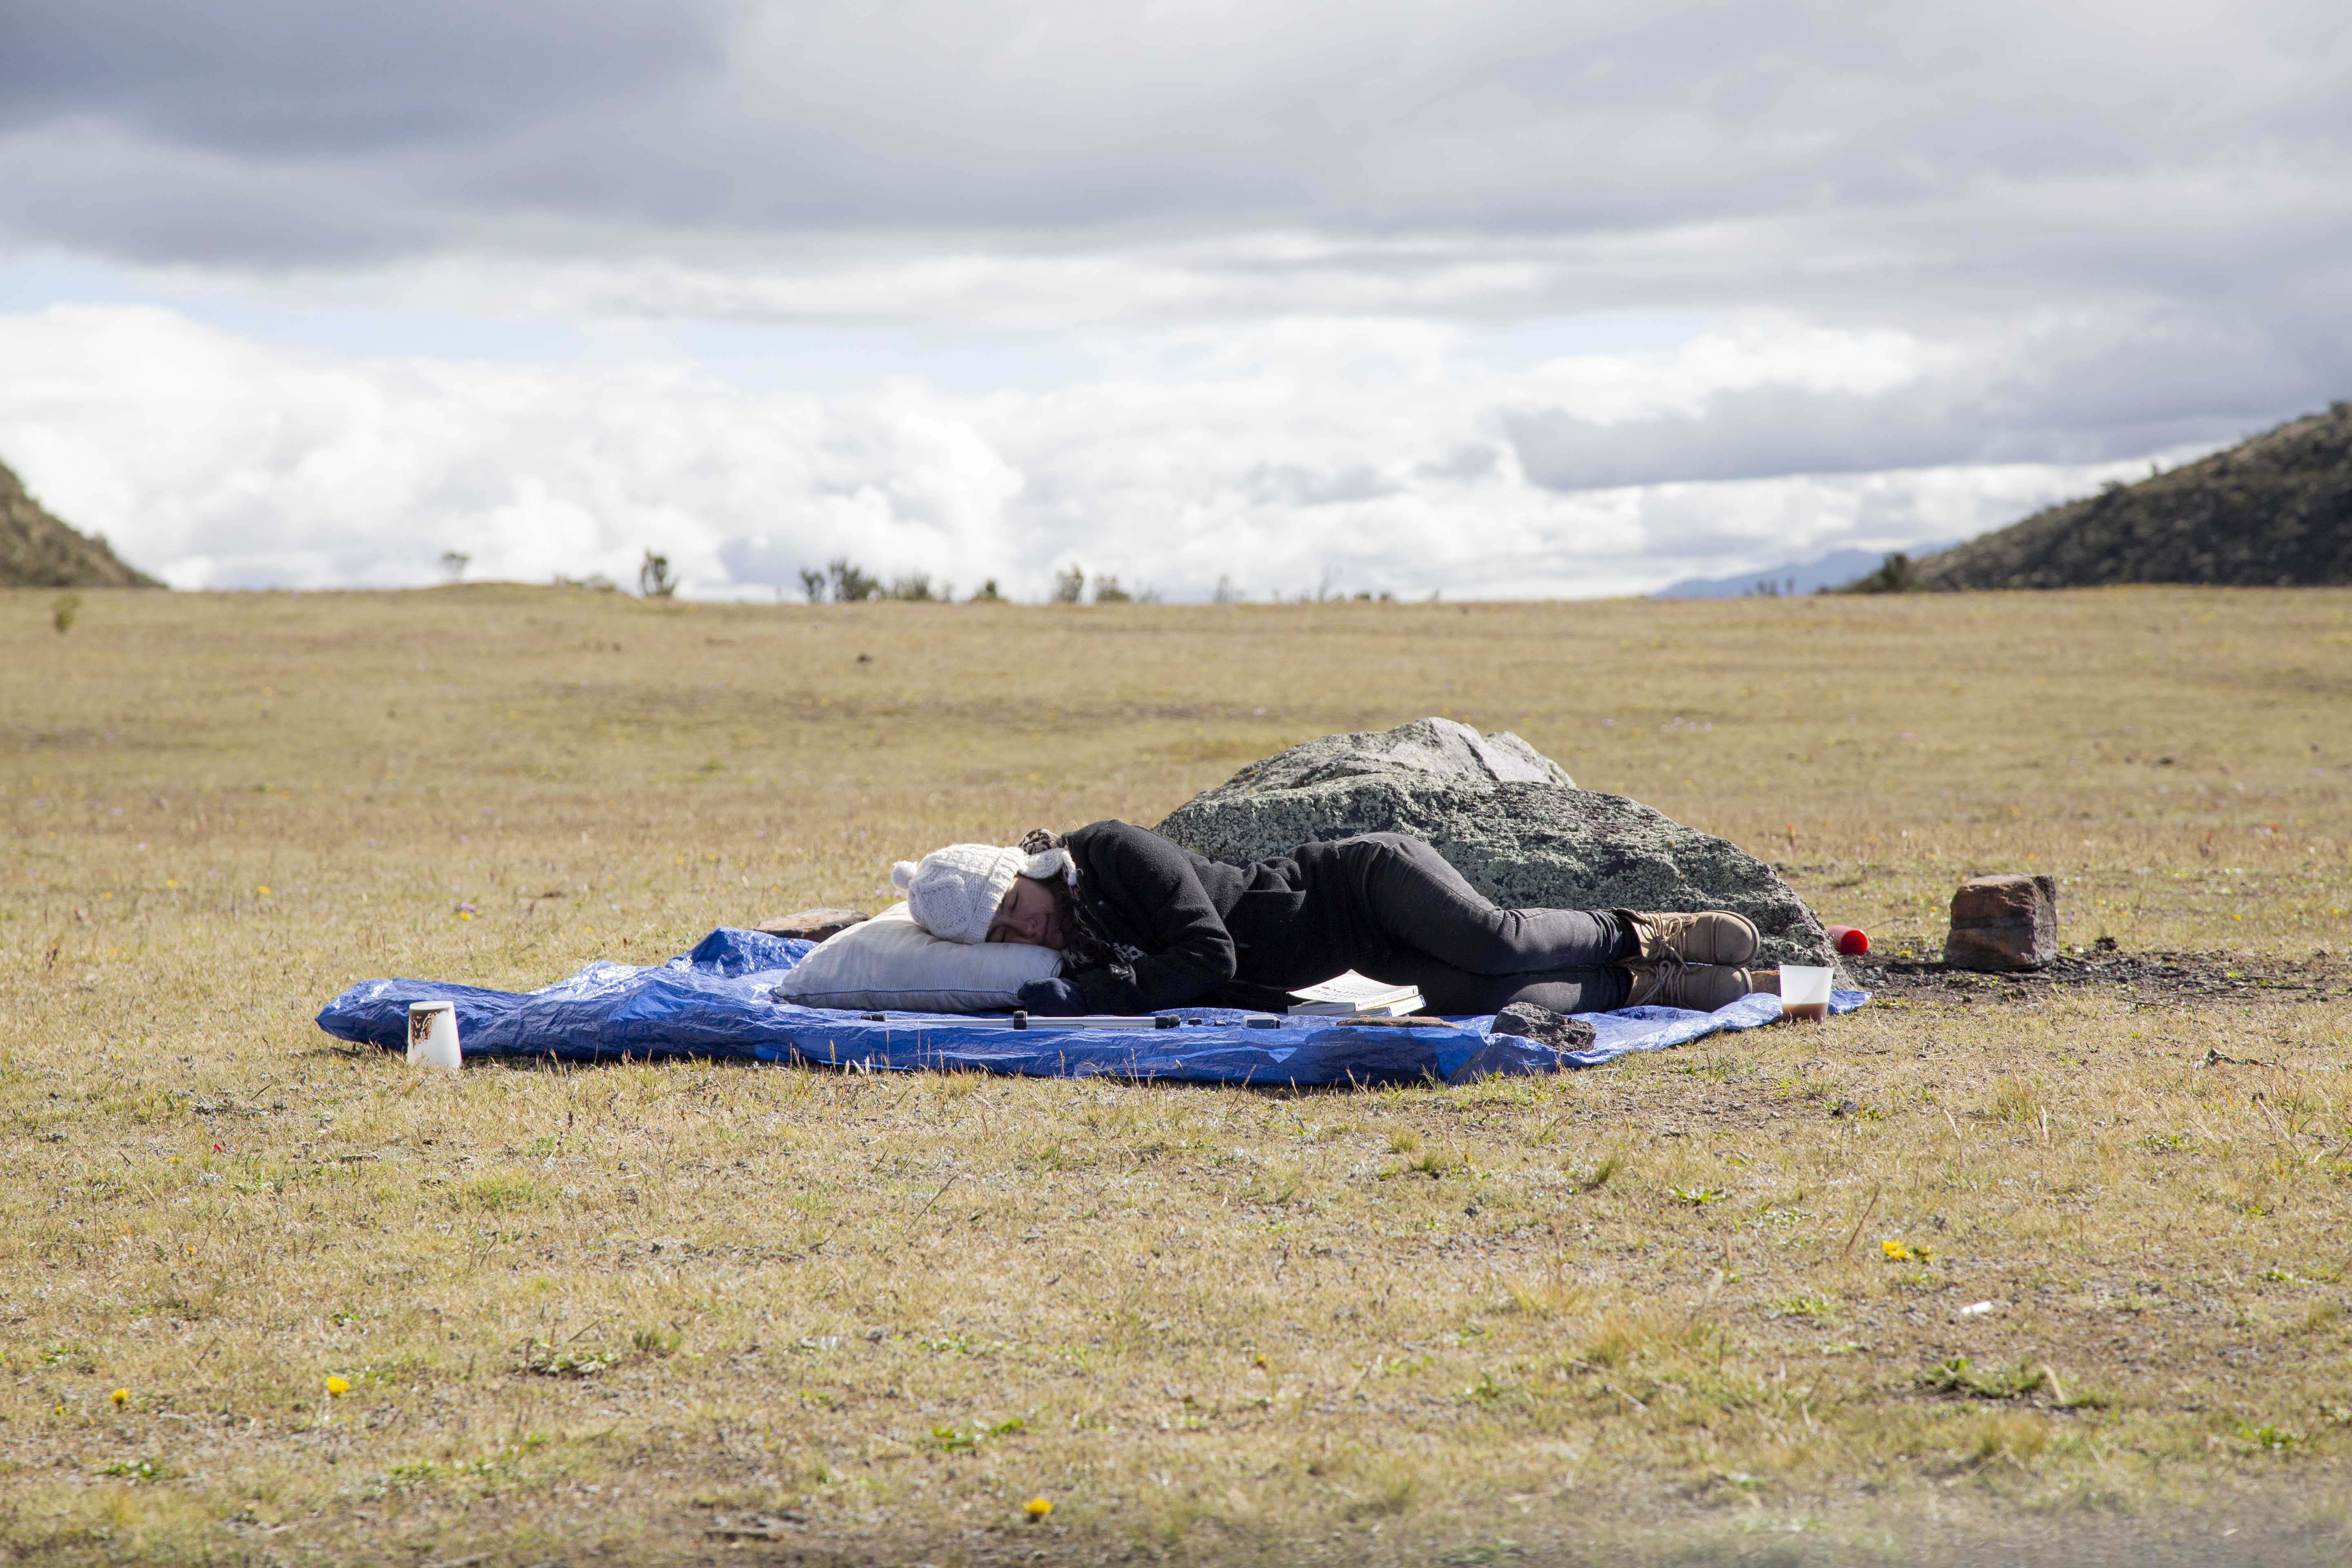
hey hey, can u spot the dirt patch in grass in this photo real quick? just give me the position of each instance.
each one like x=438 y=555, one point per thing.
x=2179 y=979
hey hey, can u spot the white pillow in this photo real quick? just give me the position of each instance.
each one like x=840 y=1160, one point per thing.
x=890 y=962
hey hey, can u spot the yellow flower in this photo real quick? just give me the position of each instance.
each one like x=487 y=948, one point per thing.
x=1037 y=1508
x=1896 y=1251
x=121 y=1396
x=338 y=1386
x=262 y=889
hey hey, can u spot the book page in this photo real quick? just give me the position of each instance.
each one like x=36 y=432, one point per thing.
x=1353 y=989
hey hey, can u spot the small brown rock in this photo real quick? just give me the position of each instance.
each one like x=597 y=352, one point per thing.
x=1561 y=1031
x=812 y=925
x=2003 y=923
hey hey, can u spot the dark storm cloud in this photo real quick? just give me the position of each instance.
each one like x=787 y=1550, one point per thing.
x=1507 y=117
x=297 y=78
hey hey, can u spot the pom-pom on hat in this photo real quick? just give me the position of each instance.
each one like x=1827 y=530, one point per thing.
x=953 y=892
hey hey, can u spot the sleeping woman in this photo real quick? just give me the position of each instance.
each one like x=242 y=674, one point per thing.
x=1143 y=924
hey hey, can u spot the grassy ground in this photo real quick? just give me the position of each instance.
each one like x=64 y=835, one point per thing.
x=266 y=1299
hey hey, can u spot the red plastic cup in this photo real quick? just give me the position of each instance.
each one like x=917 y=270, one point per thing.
x=1851 y=941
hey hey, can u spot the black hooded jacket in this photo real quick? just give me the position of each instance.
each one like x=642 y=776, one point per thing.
x=1189 y=931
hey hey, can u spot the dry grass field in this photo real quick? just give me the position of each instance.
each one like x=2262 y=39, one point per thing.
x=267 y=1299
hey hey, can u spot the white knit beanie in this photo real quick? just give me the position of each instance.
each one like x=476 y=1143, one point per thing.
x=954 y=892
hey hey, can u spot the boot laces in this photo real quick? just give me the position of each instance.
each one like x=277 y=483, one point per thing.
x=1668 y=967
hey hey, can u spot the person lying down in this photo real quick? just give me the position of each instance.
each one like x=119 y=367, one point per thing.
x=1144 y=924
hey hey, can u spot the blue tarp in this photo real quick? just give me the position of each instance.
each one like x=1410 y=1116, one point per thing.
x=714 y=1003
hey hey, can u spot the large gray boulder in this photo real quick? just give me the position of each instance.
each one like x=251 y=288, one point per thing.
x=1504 y=816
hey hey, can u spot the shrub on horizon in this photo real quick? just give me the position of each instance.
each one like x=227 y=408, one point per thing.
x=1898 y=573
x=844 y=581
x=654 y=579
x=851 y=583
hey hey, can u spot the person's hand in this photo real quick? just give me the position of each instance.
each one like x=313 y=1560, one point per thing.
x=1051 y=998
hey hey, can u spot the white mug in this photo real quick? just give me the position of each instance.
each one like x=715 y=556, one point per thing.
x=433 y=1035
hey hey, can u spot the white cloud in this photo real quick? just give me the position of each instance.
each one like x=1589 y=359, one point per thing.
x=1374 y=454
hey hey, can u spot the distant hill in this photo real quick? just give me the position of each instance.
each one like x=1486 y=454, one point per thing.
x=37 y=551
x=1790 y=577
x=2273 y=511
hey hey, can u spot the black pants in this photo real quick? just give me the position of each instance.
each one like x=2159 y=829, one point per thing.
x=1412 y=920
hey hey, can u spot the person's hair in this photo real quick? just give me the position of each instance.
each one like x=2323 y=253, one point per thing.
x=1082 y=947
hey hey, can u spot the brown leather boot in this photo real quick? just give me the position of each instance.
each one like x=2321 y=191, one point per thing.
x=1715 y=936
x=1699 y=987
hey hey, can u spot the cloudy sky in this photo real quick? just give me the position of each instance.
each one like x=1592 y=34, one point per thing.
x=1485 y=297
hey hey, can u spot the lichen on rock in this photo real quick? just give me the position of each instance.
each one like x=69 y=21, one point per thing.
x=1502 y=813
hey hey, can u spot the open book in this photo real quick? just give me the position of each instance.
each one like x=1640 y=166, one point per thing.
x=1351 y=995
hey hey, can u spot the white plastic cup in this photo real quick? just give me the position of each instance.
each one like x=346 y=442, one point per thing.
x=1805 y=992
x=433 y=1035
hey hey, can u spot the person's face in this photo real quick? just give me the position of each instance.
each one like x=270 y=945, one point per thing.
x=1026 y=915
